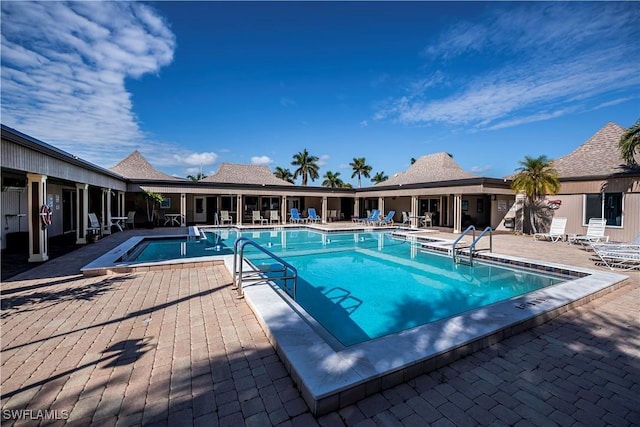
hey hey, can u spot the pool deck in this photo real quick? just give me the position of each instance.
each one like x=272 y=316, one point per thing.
x=175 y=347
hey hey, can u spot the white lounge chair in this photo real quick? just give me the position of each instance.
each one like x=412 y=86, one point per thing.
x=556 y=230
x=94 y=225
x=131 y=219
x=225 y=218
x=595 y=233
x=624 y=256
x=258 y=218
x=274 y=217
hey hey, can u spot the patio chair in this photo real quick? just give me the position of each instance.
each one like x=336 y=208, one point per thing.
x=556 y=230
x=312 y=216
x=130 y=221
x=274 y=217
x=225 y=218
x=623 y=256
x=387 y=220
x=256 y=217
x=295 y=216
x=405 y=218
x=94 y=225
x=595 y=233
x=426 y=220
x=372 y=219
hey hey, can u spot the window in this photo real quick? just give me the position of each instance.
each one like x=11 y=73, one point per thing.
x=165 y=203
x=607 y=205
x=228 y=203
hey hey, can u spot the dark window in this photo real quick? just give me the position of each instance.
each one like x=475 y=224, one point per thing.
x=610 y=204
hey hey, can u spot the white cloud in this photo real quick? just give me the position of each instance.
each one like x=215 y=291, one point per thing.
x=323 y=160
x=197 y=159
x=287 y=102
x=261 y=160
x=364 y=123
x=477 y=169
x=531 y=62
x=64 y=67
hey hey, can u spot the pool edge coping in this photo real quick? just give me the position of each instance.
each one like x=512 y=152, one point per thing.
x=330 y=379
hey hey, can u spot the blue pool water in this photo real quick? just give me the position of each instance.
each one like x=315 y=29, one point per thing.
x=361 y=286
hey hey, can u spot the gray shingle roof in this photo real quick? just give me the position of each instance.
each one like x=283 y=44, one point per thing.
x=598 y=156
x=431 y=168
x=137 y=167
x=232 y=173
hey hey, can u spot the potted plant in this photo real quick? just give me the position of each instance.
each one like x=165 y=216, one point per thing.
x=151 y=199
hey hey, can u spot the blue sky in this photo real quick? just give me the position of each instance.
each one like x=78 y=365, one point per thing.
x=192 y=85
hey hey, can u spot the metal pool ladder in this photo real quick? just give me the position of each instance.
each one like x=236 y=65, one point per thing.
x=288 y=272
x=472 y=248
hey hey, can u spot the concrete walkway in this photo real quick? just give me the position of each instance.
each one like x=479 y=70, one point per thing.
x=177 y=348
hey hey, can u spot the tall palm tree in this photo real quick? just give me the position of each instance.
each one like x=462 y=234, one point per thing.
x=536 y=177
x=630 y=144
x=284 y=174
x=360 y=168
x=379 y=177
x=332 y=180
x=307 y=166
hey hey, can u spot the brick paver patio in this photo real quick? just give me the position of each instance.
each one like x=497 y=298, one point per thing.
x=177 y=348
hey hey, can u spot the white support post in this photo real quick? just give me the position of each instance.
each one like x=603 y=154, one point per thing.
x=38 y=236
x=239 y=211
x=106 y=220
x=457 y=213
x=183 y=210
x=82 y=213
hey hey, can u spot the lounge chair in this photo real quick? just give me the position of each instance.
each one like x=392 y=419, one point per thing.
x=274 y=217
x=295 y=216
x=387 y=220
x=406 y=220
x=258 y=218
x=556 y=230
x=372 y=219
x=595 y=233
x=130 y=222
x=312 y=217
x=225 y=218
x=426 y=220
x=624 y=256
x=94 y=225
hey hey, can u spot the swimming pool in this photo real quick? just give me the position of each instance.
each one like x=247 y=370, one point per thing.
x=336 y=287
x=331 y=375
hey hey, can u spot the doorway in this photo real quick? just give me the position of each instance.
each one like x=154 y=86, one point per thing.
x=199 y=209
x=68 y=211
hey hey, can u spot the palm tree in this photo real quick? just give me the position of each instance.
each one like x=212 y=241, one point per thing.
x=307 y=166
x=536 y=178
x=360 y=168
x=197 y=177
x=379 y=177
x=332 y=180
x=630 y=144
x=284 y=174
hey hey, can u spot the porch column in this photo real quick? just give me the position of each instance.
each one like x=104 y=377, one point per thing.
x=381 y=206
x=283 y=210
x=457 y=213
x=183 y=210
x=82 y=213
x=356 y=206
x=414 y=211
x=219 y=207
x=38 y=236
x=120 y=203
x=324 y=210
x=239 y=211
x=106 y=218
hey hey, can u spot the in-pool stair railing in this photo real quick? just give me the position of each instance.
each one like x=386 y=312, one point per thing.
x=457 y=253
x=454 y=248
x=284 y=271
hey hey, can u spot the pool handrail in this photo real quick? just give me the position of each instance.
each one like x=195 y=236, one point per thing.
x=238 y=249
x=464 y=233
